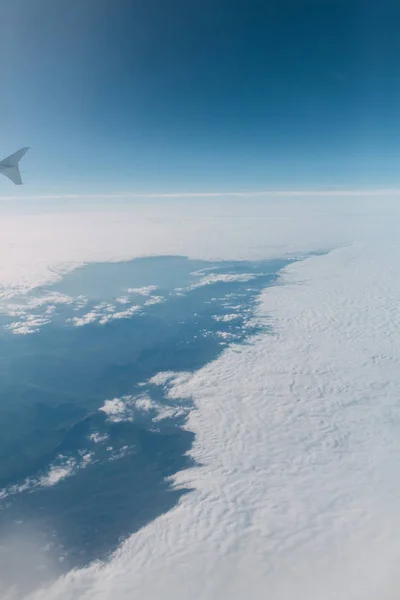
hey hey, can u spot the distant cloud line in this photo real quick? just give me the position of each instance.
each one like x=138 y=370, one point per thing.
x=250 y=194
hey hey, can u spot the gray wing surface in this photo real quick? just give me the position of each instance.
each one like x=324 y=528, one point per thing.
x=10 y=168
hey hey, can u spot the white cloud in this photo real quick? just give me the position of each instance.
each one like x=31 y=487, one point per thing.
x=122 y=314
x=297 y=434
x=58 y=472
x=130 y=408
x=300 y=193
x=50 y=298
x=226 y=335
x=62 y=467
x=47 y=299
x=104 y=313
x=97 y=438
x=28 y=324
x=163 y=410
x=223 y=278
x=16 y=489
x=144 y=403
x=116 y=409
x=226 y=318
x=154 y=300
x=169 y=380
x=38 y=246
x=90 y=317
x=142 y=291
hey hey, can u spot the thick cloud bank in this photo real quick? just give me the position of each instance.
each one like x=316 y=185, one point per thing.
x=39 y=242
x=297 y=434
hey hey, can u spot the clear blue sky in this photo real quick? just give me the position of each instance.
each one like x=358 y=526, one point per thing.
x=176 y=95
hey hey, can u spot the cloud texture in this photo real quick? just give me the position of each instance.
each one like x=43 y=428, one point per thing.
x=297 y=434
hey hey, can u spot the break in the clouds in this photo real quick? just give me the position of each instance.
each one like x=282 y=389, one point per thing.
x=296 y=433
x=297 y=439
x=29 y=314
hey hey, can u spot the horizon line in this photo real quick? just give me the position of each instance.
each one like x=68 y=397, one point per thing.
x=241 y=194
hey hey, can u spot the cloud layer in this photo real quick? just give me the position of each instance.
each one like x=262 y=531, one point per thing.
x=271 y=193
x=297 y=434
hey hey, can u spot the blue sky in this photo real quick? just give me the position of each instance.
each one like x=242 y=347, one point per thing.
x=210 y=95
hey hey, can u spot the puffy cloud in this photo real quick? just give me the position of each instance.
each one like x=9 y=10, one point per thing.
x=154 y=300
x=28 y=324
x=30 y=321
x=131 y=408
x=97 y=438
x=223 y=278
x=115 y=409
x=226 y=318
x=62 y=467
x=142 y=291
x=104 y=313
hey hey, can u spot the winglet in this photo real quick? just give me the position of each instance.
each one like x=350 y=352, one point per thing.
x=10 y=168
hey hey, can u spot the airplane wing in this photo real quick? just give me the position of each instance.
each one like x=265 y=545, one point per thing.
x=12 y=173
x=10 y=168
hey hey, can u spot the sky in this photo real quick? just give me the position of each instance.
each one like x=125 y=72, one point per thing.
x=142 y=96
